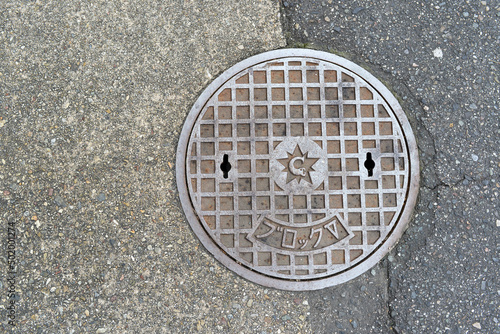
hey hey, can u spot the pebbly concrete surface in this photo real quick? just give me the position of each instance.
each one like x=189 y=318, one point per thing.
x=441 y=58
x=92 y=100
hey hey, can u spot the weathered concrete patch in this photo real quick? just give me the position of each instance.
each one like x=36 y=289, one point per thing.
x=93 y=97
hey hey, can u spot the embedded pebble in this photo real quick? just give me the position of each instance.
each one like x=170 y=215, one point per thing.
x=60 y=201
x=357 y=10
x=438 y=53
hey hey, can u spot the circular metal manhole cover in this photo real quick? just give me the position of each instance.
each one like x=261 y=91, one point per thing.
x=297 y=169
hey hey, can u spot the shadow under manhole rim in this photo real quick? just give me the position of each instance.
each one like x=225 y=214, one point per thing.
x=297 y=169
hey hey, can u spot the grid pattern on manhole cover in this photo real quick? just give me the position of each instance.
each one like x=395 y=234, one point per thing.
x=319 y=176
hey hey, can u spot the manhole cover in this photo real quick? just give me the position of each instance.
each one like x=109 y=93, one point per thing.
x=297 y=169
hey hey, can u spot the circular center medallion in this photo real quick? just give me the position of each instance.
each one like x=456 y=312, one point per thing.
x=298 y=165
x=297 y=169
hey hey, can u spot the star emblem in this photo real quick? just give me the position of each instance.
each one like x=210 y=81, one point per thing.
x=298 y=166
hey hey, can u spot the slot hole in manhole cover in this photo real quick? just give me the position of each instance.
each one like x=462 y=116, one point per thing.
x=297 y=169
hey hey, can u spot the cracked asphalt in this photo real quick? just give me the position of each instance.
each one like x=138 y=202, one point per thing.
x=92 y=100
x=441 y=59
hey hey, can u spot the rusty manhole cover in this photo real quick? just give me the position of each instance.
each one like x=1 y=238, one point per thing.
x=297 y=169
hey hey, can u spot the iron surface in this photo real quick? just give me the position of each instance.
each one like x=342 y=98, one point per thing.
x=298 y=209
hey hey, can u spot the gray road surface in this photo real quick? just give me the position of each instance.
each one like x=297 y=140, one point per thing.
x=442 y=60
x=92 y=99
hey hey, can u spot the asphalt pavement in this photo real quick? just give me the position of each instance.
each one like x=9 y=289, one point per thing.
x=93 y=97
x=441 y=59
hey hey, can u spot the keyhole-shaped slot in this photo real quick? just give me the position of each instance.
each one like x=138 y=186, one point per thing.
x=369 y=164
x=225 y=166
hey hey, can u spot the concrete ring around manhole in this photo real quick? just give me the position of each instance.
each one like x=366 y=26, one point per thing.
x=297 y=169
